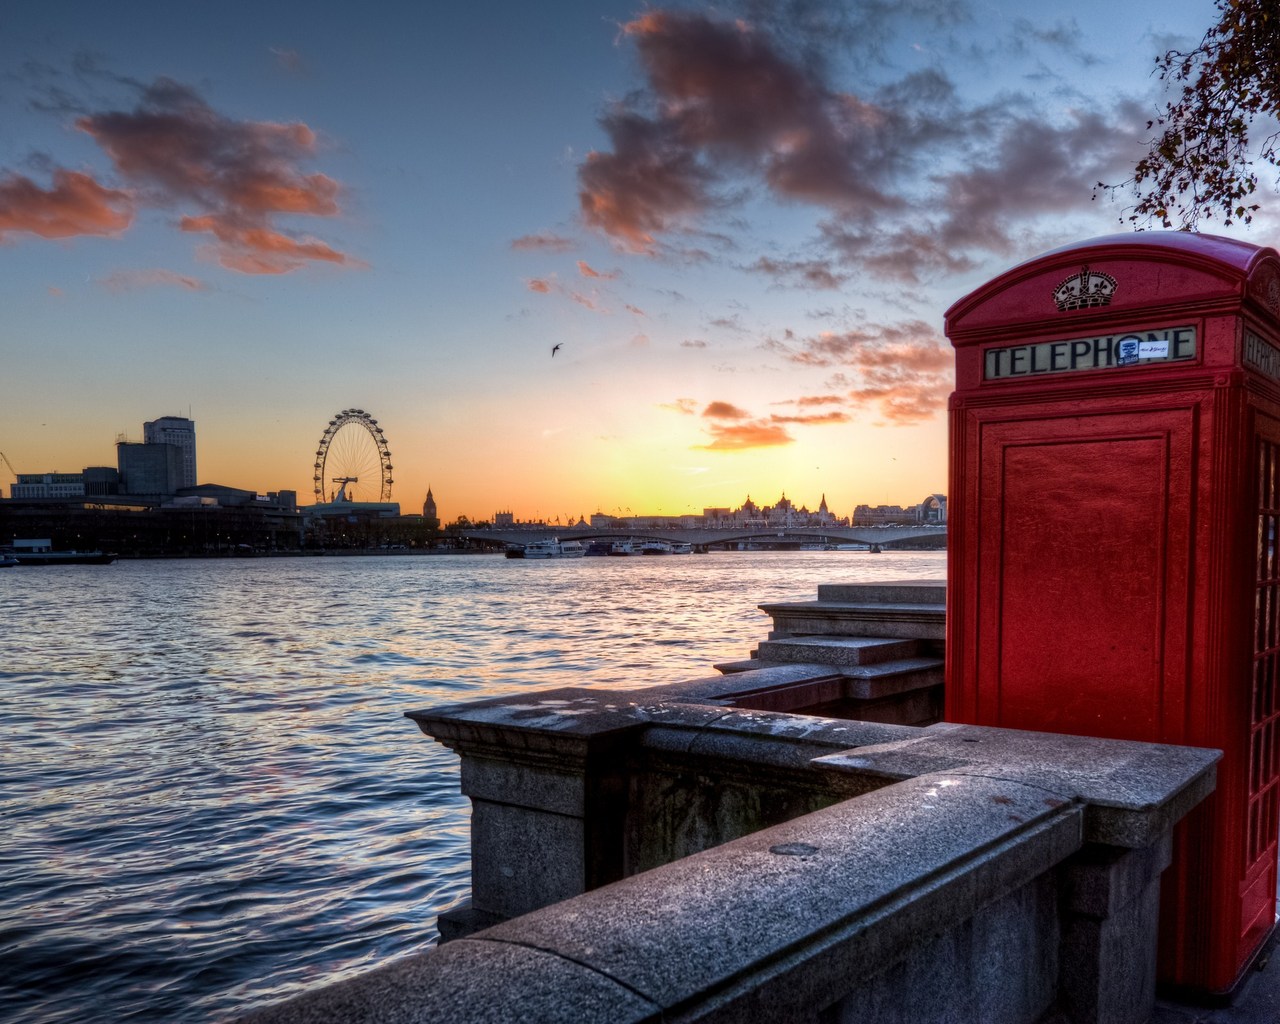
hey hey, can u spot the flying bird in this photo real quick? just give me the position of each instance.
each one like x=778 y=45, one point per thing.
x=554 y=349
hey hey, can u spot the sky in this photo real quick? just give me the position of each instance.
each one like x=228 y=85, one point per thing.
x=737 y=226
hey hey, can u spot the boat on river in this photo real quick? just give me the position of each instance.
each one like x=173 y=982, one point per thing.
x=552 y=548
x=622 y=547
x=655 y=547
x=62 y=558
x=41 y=552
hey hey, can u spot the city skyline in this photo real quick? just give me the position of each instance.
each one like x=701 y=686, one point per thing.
x=182 y=434
x=569 y=257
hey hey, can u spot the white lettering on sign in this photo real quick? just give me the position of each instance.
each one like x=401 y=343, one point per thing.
x=1134 y=348
x=1261 y=356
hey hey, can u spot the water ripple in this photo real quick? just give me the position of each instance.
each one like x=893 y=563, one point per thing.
x=210 y=795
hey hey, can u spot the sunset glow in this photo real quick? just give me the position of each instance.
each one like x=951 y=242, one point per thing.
x=740 y=224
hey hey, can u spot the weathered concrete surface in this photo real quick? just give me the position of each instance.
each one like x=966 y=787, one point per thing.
x=1126 y=786
x=957 y=895
x=448 y=985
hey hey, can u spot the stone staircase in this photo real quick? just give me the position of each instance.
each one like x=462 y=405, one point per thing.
x=870 y=651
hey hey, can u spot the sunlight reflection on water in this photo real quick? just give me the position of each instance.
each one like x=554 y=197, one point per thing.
x=211 y=797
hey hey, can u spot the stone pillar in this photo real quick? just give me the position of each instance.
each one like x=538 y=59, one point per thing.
x=1110 y=906
x=547 y=781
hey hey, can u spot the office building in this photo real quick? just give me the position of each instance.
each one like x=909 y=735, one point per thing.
x=149 y=470
x=181 y=433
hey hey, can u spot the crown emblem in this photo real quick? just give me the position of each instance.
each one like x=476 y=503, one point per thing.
x=1084 y=290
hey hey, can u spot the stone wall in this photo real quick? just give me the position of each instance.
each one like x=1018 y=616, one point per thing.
x=955 y=873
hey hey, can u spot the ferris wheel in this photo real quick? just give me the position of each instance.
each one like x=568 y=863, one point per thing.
x=353 y=462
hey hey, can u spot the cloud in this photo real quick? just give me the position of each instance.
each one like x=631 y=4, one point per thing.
x=736 y=437
x=815 y=273
x=550 y=286
x=813 y=419
x=1036 y=166
x=542 y=243
x=256 y=250
x=240 y=176
x=904 y=398
x=587 y=271
x=912 y=182
x=75 y=205
x=810 y=401
x=685 y=406
x=132 y=280
x=586 y=302
x=693 y=343
x=732 y=322
x=722 y=100
x=902 y=372
x=650 y=184
x=725 y=411
x=634 y=309
x=903 y=254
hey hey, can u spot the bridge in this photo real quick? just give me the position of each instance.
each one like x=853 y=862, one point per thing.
x=789 y=537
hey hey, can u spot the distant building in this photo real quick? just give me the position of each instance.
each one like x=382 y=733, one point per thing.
x=48 y=485
x=884 y=515
x=933 y=510
x=101 y=481
x=180 y=432
x=149 y=470
x=430 y=516
x=504 y=520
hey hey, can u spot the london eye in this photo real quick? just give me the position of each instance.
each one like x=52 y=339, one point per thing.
x=353 y=462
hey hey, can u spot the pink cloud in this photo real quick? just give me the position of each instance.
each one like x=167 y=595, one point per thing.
x=904 y=371
x=256 y=250
x=725 y=411
x=537 y=284
x=242 y=176
x=587 y=271
x=736 y=437
x=813 y=419
x=75 y=205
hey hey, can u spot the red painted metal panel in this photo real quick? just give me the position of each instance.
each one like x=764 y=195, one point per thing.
x=1081 y=550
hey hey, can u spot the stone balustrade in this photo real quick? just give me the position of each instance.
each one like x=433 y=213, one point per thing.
x=642 y=860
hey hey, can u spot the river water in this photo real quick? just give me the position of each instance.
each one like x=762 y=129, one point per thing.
x=209 y=796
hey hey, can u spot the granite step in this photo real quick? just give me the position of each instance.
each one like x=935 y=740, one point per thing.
x=840 y=651
x=903 y=691
x=904 y=592
x=927 y=621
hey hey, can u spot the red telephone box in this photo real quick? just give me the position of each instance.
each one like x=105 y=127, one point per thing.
x=1114 y=510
